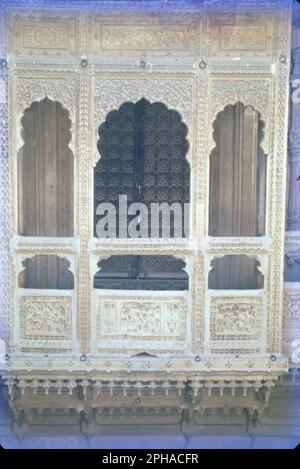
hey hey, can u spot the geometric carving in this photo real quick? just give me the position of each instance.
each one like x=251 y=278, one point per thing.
x=43 y=36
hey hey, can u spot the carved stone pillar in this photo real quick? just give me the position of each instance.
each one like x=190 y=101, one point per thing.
x=4 y=192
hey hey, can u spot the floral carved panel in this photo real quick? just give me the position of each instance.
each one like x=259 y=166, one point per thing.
x=155 y=35
x=241 y=34
x=45 y=322
x=236 y=322
x=143 y=37
x=46 y=36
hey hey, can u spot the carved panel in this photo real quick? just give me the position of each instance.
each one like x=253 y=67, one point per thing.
x=45 y=321
x=245 y=38
x=144 y=37
x=137 y=319
x=235 y=35
x=132 y=37
x=46 y=36
x=236 y=322
x=291 y=308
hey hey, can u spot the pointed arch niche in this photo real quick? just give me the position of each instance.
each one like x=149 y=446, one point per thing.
x=238 y=166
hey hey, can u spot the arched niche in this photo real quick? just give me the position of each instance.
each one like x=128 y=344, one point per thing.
x=142 y=148
x=46 y=172
x=235 y=272
x=238 y=167
x=46 y=271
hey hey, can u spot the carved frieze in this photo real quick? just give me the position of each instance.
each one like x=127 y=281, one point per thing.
x=140 y=319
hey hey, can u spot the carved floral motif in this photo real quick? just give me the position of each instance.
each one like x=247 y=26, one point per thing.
x=119 y=37
x=235 y=318
x=243 y=37
x=44 y=36
x=255 y=93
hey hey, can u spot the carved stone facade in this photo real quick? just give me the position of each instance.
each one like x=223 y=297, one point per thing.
x=198 y=350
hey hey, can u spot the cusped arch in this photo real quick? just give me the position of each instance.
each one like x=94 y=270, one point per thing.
x=33 y=100
x=46 y=171
x=237 y=173
x=29 y=90
x=248 y=104
x=113 y=109
x=175 y=95
x=46 y=271
x=143 y=148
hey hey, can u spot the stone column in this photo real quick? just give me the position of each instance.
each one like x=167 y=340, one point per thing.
x=4 y=189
